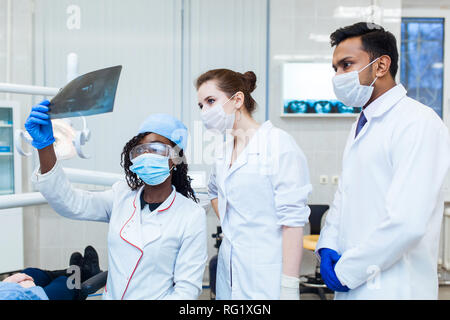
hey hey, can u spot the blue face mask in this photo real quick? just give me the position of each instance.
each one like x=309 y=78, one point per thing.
x=151 y=168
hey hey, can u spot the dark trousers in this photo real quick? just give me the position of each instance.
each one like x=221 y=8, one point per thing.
x=54 y=283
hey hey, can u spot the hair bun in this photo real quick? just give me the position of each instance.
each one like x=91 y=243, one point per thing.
x=250 y=80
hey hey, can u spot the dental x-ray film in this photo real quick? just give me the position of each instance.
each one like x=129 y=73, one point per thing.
x=89 y=94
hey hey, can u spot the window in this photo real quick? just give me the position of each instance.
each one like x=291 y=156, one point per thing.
x=422 y=60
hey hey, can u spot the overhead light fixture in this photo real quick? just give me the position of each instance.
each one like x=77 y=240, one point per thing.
x=351 y=12
x=319 y=37
x=303 y=57
x=370 y=12
x=64 y=134
x=68 y=141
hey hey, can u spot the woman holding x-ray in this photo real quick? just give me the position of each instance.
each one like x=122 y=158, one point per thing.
x=157 y=233
x=259 y=188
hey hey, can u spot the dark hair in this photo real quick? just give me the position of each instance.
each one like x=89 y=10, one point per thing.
x=180 y=179
x=375 y=40
x=231 y=82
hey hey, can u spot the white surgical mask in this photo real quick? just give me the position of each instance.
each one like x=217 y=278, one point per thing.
x=216 y=118
x=350 y=91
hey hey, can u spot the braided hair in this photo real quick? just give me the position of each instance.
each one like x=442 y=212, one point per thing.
x=180 y=179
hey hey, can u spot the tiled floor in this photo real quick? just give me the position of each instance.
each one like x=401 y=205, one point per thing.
x=444 y=294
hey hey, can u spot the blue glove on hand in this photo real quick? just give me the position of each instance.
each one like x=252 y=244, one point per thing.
x=39 y=126
x=328 y=259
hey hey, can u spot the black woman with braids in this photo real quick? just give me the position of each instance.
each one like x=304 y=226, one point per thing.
x=157 y=231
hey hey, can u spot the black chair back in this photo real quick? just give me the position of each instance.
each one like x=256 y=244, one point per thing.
x=315 y=218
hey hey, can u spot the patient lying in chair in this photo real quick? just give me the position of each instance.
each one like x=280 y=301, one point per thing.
x=38 y=284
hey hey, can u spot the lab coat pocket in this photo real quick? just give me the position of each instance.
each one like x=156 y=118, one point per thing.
x=258 y=164
x=151 y=232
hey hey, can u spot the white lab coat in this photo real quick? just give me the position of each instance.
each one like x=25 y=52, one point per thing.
x=386 y=217
x=163 y=258
x=265 y=188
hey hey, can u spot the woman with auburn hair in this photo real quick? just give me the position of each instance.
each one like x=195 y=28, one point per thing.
x=259 y=186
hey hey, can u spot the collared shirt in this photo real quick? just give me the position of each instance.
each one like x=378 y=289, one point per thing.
x=149 y=211
x=371 y=109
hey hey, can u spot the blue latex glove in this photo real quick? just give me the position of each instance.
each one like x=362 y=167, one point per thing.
x=39 y=126
x=328 y=259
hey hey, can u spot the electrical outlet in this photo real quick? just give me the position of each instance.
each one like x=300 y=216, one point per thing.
x=323 y=179
x=335 y=180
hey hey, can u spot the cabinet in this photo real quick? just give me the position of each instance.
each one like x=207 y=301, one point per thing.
x=11 y=220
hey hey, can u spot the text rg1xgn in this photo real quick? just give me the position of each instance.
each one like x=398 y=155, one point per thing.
x=246 y=309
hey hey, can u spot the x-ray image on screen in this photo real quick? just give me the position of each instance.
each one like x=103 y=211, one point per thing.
x=308 y=90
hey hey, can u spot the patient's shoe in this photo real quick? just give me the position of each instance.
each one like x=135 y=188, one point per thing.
x=90 y=266
x=76 y=259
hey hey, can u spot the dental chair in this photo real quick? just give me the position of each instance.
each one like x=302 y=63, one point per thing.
x=213 y=263
x=92 y=285
x=314 y=283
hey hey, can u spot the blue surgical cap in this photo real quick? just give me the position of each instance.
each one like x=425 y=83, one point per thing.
x=166 y=126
